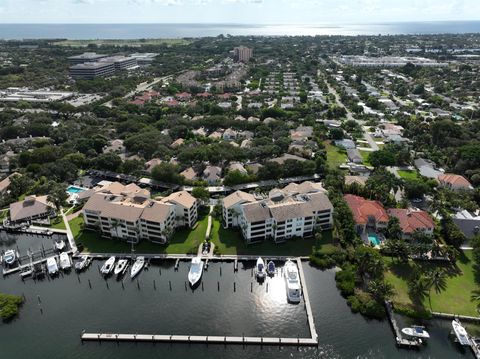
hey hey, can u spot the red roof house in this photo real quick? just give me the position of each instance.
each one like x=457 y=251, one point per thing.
x=366 y=212
x=412 y=220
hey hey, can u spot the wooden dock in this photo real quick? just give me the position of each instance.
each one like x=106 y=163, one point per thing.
x=400 y=340
x=475 y=346
x=306 y=299
x=205 y=339
x=22 y=266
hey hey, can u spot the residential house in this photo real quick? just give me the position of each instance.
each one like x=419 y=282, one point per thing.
x=367 y=214
x=413 y=220
x=427 y=168
x=31 y=209
x=468 y=222
x=282 y=159
x=189 y=174
x=237 y=166
x=454 y=182
x=345 y=143
x=152 y=163
x=212 y=174
x=5 y=183
x=354 y=155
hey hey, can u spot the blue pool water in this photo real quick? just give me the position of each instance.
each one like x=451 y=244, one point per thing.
x=74 y=189
x=373 y=238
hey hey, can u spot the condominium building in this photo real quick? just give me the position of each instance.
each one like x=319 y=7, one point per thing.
x=128 y=213
x=242 y=54
x=294 y=211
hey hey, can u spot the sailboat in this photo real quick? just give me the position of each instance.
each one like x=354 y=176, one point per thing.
x=121 y=267
x=137 y=266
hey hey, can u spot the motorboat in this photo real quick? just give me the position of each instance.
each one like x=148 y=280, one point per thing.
x=271 y=268
x=82 y=263
x=292 y=282
x=65 y=262
x=26 y=271
x=196 y=270
x=137 y=266
x=9 y=257
x=121 y=266
x=260 y=269
x=52 y=266
x=108 y=266
x=460 y=332
x=416 y=331
x=60 y=245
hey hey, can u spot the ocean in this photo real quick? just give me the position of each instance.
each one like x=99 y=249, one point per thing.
x=141 y=31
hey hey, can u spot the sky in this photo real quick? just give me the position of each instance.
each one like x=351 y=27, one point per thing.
x=236 y=11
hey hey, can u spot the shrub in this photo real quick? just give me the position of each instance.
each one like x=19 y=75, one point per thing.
x=9 y=305
x=362 y=302
x=346 y=280
x=327 y=258
x=412 y=311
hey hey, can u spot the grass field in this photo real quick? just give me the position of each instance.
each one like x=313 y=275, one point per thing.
x=133 y=42
x=183 y=241
x=335 y=156
x=410 y=175
x=365 y=155
x=230 y=241
x=455 y=299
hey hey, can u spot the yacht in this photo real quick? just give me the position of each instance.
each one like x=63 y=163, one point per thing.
x=60 y=245
x=121 y=267
x=82 y=263
x=416 y=331
x=108 y=266
x=460 y=332
x=271 y=268
x=292 y=282
x=65 y=262
x=52 y=266
x=137 y=266
x=196 y=270
x=9 y=257
x=260 y=269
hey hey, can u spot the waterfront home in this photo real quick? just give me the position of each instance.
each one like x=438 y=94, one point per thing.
x=367 y=214
x=31 y=209
x=294 y=211
x=454 y=182
x=413 y=220
x=468 y=222
x=5 y=183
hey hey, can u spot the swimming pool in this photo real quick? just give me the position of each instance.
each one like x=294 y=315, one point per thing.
x=75 y=189
x=373 y=239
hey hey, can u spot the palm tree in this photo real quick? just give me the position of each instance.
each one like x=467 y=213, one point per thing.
x=476 y=298
x=380 y=290
x=419 y=288
x=437 y=279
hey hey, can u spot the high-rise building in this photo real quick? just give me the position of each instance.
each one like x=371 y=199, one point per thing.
x=242 y=53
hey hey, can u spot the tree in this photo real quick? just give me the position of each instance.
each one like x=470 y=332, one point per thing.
x=415 y=188
x=394 y=231
x=380 y=290
x=419 y=287
x=369 y=262
x=57 y=195
x=167 y=172
x=382 y=158
x=201 y=193
x=437 y=279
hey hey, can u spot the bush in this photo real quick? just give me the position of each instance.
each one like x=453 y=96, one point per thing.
x=362 y=302
x=412 y=311
x=346 y=280
x=327 y=258
x=9 y=305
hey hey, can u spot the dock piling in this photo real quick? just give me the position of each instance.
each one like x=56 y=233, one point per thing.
x=170 y=285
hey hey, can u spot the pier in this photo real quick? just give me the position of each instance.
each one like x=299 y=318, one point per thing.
x=401 y=341
x=475 y=346
x=308 y=308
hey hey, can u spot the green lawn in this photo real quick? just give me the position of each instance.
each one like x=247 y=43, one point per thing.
x=230 y=241
x=3 y=214
x=365 y=155
x=183 y=241
x=410 y=175
x=335 y=155
x=455 y=299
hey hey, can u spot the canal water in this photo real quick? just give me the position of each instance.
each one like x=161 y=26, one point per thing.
x=57 y=310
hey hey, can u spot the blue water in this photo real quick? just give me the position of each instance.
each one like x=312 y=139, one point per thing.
x=373 y=238
x=138 y=31
x=73 y=189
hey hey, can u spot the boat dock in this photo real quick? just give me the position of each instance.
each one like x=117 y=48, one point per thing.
x=205 y=339
x=475 y=346
x=401 y=341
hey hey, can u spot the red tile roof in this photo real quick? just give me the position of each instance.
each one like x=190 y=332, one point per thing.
x=412 y=220
x=454 y=180
x=363 y=208
x=204 y=94
x=183 y=95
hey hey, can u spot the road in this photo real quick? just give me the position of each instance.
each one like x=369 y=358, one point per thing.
x=368 y=137
x=144 y=86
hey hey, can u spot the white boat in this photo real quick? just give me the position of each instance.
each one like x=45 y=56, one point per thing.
x=121 y=266
x=271 y=268
x=26 y=271
x=460 y=332
x=196 y=270
x=292 y=281
x=60 y=245
x=65 y=262
x=260 y=269
x=416 y=331
x=108 y=266
x=9 y=257
x=137 y=266
x=81 y=263
x=52 y=266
